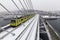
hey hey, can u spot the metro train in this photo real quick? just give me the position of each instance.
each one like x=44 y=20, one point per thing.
x=17 y=21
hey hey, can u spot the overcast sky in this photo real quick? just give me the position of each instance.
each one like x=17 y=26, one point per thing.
x=45 y=5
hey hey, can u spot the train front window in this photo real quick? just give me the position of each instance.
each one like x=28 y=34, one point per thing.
x=13 y=21
x=21 y=19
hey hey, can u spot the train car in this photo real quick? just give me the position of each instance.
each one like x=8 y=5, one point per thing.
x=17 y=21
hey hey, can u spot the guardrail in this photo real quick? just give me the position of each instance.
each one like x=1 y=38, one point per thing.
x=52 y=34
x=53 y=30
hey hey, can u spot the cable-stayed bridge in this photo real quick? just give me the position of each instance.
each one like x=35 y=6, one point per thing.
x=37 y=27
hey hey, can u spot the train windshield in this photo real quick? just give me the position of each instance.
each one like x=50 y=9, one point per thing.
x=13 y=21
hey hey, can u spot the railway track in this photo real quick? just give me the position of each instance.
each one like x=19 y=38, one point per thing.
x=1 y=30
x=24 y=31
x=10 y=31
x=27 y=33
x=33 y=32
x=30 y=31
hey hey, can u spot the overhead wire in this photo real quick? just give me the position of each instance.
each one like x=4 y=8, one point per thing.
x=29 y=3
x=22 y=5
x=32 y=6
x=5 y=8
x=16 y=6
x=26 y=6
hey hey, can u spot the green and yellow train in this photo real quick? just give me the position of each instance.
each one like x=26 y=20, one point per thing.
x=17 y=21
